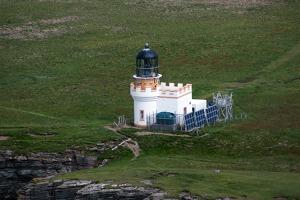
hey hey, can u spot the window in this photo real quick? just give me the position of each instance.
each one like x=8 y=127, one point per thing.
x=142 y=115
x=184 y=111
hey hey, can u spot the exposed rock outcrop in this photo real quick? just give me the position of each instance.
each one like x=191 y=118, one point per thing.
x=87 y=190
x=18 y=170
x=83 y=190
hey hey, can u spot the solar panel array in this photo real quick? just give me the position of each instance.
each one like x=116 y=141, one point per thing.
x=197 y=119
x=200 y=118
x=189 y=121
x=211 y=113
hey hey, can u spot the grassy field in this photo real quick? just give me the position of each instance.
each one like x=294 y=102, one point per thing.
x=66 y=68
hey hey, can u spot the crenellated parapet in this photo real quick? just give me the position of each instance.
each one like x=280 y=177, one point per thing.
x=147 y=91
x=172 y=90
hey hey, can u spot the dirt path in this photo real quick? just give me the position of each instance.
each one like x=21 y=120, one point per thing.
x=133 y=145
x=28 y=112
x=129 y=143
x=113 y=129
x=293 y=52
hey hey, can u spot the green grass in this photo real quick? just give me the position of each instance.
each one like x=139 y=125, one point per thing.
x=66 y=68
x=176 y=174
x=257 y=165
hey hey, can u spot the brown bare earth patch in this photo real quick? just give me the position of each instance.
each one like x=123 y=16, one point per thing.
x=58 y=20
x=242 y=3
x=230 y=3
x=35 y=30
x=4 y=137
x=30 y=32
x=61 y=1
x=40 y=134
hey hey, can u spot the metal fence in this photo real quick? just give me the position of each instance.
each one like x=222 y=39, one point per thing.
x=167 y=124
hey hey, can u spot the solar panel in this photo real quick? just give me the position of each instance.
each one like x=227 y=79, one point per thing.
x=189 y=121
x=200 y=118
x=211 y=114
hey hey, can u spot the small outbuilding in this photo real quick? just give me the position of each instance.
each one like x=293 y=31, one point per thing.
x=157 y=102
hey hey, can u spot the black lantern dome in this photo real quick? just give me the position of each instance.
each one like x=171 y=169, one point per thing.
x=147 y=63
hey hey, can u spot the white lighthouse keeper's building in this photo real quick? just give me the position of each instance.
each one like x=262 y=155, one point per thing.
x=152 y=97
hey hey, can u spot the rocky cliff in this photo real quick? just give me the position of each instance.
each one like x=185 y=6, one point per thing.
x=86 y=190
x=18 y=170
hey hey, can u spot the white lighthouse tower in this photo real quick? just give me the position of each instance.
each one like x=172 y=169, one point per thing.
x=145 y=89
x=155 y=102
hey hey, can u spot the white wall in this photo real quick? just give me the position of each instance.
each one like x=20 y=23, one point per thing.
x=199 y=104
x=167 y=105
x=175 y=105
x=163 y=99
x=148 y=105
x=185 y=101
x=145 y=100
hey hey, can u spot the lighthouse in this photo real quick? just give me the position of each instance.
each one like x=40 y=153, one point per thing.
x=159 y=103
x=145 y=89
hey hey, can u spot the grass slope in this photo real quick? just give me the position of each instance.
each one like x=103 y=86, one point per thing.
x=66 y=66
